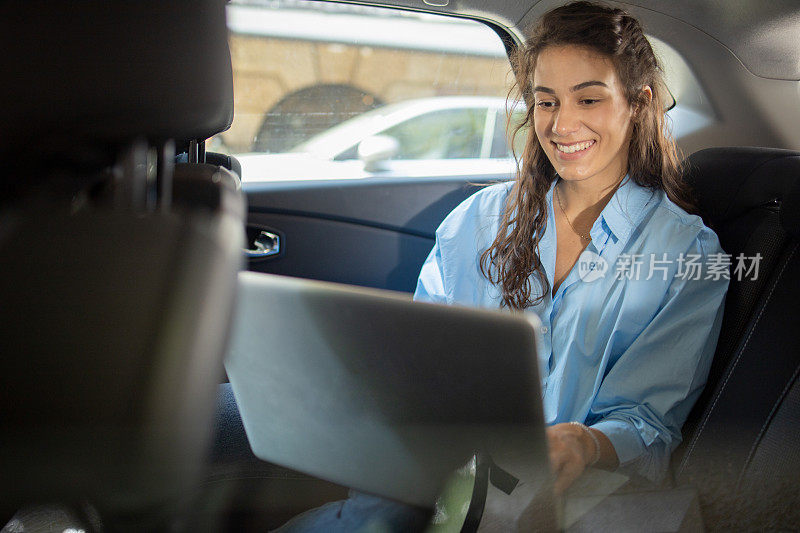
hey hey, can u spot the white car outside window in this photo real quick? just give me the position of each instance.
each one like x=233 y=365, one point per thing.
x=439 y=136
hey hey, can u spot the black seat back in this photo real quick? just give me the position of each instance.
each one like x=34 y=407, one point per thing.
x=117 y=269
x=739 y=443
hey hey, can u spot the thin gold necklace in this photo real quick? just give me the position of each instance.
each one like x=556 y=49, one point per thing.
x=581 y=235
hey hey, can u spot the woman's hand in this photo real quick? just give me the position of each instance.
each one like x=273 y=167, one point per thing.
x=571 y=451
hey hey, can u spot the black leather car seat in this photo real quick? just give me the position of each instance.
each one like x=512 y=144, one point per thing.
x=117 y=267
x=741 y=441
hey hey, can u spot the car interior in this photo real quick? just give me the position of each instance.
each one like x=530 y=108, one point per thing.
x=122 y=238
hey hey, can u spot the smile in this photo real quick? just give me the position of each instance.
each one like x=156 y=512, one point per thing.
x=575 y=147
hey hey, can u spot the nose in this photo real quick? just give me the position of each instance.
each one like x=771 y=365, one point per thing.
x=566 y=120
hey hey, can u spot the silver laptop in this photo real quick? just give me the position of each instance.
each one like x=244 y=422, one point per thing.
x=370 y=390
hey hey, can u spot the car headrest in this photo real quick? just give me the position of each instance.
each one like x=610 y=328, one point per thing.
x=99 y=73
x=730 y=181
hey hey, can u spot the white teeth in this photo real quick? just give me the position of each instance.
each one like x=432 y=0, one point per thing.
x=572 y=148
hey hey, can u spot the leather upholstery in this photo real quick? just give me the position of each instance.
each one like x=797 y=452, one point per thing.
x=731 y=181
x=740 y=444
x=166 y=64
x=115 y=310
x=83 y=79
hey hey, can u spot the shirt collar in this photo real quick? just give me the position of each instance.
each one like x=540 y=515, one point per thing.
x=621 y=214
x=625 y=209
x=617 y=220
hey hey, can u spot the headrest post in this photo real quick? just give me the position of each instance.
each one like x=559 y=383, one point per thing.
x=151 y=180
x=192 y=152
x=201 y=150
x=197 y=151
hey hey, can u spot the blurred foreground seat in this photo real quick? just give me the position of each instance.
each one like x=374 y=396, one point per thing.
x=117 y=267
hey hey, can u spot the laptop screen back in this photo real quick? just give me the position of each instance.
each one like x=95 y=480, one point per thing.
x=370 y=390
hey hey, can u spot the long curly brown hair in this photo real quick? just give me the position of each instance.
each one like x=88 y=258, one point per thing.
x=653 y=159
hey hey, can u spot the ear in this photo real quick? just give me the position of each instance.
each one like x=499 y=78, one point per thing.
x=648 y=93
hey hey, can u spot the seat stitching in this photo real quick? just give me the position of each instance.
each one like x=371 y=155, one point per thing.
x=766 y=423
x=735 y=363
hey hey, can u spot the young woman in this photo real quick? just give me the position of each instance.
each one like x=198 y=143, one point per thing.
x=597 y=237
x=628 y=332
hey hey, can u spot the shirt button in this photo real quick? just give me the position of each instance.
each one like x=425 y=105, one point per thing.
x=544 y=329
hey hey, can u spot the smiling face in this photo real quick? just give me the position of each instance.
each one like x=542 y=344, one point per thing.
x=582 y=119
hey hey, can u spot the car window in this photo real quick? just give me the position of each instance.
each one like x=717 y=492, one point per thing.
x=344 y=67
x=446 y=134
x=503 y=134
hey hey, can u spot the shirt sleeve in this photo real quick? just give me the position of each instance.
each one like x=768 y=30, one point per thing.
x=430 y=284
x=647 y=394
x=451 y=273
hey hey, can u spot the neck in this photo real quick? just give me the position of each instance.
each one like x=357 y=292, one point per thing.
x=586 y=195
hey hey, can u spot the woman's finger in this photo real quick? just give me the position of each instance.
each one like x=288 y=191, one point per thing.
x=567 y=474
x=558 y=457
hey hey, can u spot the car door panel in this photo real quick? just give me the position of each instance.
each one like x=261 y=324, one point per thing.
x=373 y=232
x=344 y=252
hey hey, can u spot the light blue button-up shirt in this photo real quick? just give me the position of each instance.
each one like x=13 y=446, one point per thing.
x=628 y=338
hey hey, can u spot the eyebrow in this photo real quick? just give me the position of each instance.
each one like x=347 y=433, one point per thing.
x=578 y=87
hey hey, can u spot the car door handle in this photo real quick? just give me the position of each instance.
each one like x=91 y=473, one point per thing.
x=266 y=244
